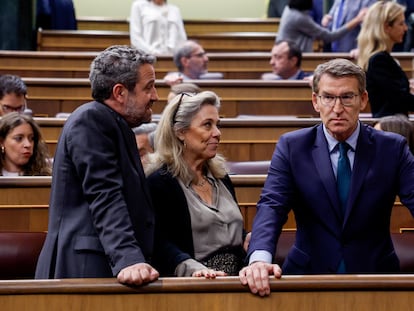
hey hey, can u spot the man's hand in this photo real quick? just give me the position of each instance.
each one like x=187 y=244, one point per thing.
x=256 y=275
x=137 y=274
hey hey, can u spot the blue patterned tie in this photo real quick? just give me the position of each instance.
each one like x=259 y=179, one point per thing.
x=343 y=182
x=343 y=178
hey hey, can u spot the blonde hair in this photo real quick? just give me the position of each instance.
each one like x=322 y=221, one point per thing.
x=176 y=117
x=372 y=37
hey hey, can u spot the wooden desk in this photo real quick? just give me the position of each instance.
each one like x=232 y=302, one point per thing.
x=192 y=26
x=48 y=96
x=318 y=292
x=98 y=40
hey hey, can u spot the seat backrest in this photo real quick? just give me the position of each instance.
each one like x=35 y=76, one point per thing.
x=403 y=244
x=19 y=252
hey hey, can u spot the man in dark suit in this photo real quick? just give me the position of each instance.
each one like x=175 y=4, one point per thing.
x=286 y=61
x=101 y=219
x=339 y=229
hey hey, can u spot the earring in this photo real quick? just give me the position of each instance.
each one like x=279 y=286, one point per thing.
x=185 y=145
x=3 y=150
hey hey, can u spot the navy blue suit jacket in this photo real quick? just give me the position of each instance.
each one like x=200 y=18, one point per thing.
x=301 y=178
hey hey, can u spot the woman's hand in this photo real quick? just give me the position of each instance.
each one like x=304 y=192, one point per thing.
x=208 y=273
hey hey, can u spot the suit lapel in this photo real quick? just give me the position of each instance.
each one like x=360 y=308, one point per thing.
x=322 y=161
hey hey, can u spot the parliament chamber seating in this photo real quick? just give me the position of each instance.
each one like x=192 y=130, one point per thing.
x=19 y=252
x=233 y=65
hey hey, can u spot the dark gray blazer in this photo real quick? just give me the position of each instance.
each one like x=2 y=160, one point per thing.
x=100 y=216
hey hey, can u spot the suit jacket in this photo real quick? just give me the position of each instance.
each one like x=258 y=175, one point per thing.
x=174 y=238
x=301 y=178
x=350 y=10
x=100 y=216
x=388 y=87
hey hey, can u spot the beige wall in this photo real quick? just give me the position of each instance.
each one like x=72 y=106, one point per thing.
x=190 y=9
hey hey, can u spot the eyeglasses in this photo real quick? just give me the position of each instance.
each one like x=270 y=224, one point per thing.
x=346 y=100
x=19 y=109
x=201 y=54
x=179 y=104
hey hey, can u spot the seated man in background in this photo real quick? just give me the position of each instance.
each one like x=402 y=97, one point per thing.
x=144 y=135
x=192 y=62
x=13 y=93
x=285 y=60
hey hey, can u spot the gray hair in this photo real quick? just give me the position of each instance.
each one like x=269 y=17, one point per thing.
x=116 y=64
x=339 y=68
x=176 y=117
x=184 y=50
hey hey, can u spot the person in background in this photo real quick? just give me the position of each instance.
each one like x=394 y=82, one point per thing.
x=400 y=124
x=286 y=60
x=101 y=220
x=342 y=12
x=23 y=151
x=329 y=176
x=387 y=84
x=297 y=25
x=156 y=26
x=192 y=64
x=144 y=135
x=56 y=14
x=183 y=88
x=275 y=7
x=13 y=92
x=199 y=224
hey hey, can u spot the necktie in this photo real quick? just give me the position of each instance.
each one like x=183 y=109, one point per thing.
x=343 y=178
x=337 y=24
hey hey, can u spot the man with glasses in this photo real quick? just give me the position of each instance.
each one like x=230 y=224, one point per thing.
x=341 y=179
x=13 y=93
x=192 y=62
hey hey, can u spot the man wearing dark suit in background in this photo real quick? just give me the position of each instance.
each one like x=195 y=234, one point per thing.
x=286 y=61
x=339 y=230
x=101 y=219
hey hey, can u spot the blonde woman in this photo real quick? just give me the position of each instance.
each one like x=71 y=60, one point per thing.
x=387 y=84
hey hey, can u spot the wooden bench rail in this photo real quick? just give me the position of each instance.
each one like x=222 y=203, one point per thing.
x=325 y=292
x=98 y=40
x=192 y=26
x=48 y=96
x=233 y=65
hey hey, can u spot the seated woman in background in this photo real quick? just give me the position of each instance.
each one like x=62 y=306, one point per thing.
x=199 y=226
x=156 y=27
x=22 y=150
x=399 y=124
x=387 y=84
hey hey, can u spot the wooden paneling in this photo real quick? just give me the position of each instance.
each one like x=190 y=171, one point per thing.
x=98 y=40
x=24 y=203
x=192 y=26
x=48 y=96
x=233 y=65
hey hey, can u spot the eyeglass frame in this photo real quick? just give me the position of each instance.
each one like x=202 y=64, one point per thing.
x=179 y=104
x=8 y=109
x=350 y=96
x=200 y=54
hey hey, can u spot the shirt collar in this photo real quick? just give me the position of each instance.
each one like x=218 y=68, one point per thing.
x=351 y=140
